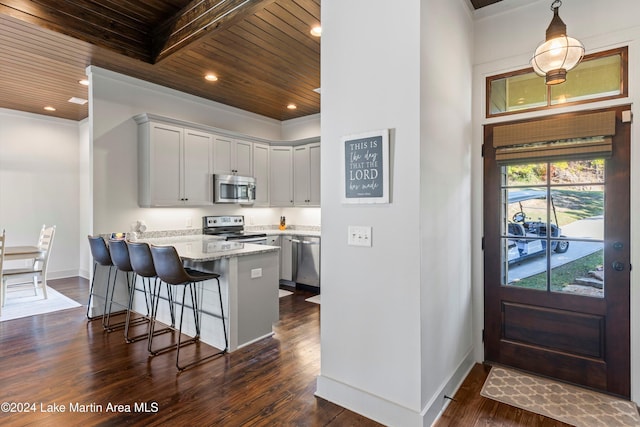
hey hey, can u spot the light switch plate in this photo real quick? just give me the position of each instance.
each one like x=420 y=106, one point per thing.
x=359 y=236
x=256 y=272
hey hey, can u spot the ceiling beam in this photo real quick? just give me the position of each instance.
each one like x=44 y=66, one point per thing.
x=199 y=18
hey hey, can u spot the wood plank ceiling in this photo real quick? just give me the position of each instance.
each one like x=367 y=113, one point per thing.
x=261 y=51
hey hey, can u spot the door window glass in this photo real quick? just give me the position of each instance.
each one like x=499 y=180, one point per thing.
x=553 y=226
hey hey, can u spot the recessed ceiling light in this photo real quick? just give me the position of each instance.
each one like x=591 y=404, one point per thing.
x=49 y=108
x=211 y=77
x=84 y=82
x=292 y=106
x=79 y=101
x=316 y=31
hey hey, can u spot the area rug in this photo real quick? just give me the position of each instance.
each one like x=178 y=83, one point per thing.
x=569 y=404
x=283 y=293
x=314 y=299
x=23 y=303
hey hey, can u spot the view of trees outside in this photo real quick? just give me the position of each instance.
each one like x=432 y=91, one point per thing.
x=577 y=208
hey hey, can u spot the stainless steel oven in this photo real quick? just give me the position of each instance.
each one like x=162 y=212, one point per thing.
x=231 y=228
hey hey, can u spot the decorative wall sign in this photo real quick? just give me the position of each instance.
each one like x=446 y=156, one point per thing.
x=366 y=167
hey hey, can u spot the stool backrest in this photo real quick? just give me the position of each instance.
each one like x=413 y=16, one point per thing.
x=120 y=254
x=99 y=250
x=169 y=265
x=141 y=259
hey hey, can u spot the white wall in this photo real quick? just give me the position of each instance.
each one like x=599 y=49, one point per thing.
x=505 y=41
x=39 y=184
x=445 y=184
x=395 y=323
x=301 y=128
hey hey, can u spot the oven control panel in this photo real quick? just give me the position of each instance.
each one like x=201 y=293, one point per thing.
x=223 y=221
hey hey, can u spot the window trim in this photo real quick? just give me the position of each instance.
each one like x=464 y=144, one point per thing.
x=624 y=84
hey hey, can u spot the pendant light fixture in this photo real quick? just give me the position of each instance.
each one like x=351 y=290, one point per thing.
x=559 y=53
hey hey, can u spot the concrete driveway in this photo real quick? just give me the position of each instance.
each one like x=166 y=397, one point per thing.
x=588 y=228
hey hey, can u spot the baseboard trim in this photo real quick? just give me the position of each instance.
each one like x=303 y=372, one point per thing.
x=366 y=404
x=437 y=405
x=389 y=413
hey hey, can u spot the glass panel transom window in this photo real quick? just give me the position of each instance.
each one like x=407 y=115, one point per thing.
x=598 y=76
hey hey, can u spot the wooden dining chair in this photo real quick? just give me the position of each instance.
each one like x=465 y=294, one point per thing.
x=37 y=272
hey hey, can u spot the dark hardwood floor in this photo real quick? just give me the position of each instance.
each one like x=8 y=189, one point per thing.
x=470 y=409
x=61 y=359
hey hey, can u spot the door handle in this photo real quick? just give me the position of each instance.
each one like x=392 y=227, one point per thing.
x=617 y=266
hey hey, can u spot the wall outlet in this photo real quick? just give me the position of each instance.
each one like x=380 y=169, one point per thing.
x=359 y=236
x=256 y=272
x=189 y=222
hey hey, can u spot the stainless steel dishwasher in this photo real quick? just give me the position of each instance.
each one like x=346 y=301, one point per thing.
x=306 y=260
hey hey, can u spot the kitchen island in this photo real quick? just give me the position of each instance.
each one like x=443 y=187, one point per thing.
x=249 y=277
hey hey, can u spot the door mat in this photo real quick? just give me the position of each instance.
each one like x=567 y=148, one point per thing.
x=563 y=402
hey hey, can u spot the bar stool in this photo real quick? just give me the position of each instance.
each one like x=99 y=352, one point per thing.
x=101 y=255
x=120 y=257
x=170 y=270
x=142 y=264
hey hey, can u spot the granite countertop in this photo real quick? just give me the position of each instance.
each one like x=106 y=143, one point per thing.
x=201 y=248
x=293 y=230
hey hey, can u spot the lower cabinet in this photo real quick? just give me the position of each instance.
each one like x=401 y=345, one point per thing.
x=286 y=272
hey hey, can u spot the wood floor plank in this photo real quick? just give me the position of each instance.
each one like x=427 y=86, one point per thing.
x=61 y=359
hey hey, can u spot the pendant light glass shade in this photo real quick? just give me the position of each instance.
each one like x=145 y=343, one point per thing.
x=559 y=53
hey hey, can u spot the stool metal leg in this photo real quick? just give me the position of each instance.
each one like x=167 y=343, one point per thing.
x=91 y=293
x=196 y=314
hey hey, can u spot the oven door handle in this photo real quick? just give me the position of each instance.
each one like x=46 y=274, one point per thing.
x=253 y=240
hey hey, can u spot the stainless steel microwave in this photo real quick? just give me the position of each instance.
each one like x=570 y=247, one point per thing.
x=234 y=189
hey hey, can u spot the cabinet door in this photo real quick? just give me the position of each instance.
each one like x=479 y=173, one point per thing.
x=261 y=173
x=285 y=258
x=242 y=158
x=197 y=168
x=165 y=181
x=314 y=174
x=222 y=153
x=301 y=175
x=281 y=176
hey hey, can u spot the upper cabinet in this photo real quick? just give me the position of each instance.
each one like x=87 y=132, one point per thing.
x=261 y=170
x=177 y=161
x=306 y=175
x=281 y=176
x=232 y=157
x=174 y=165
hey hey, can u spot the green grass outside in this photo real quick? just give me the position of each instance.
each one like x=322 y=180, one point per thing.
x=563 y=275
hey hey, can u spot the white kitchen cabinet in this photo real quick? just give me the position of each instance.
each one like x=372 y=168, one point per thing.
x=306 y=175
x=174 y=166
x=261 y=173
x=286 y=272
x=273 y=240
x=232 y=157
x=281 y=175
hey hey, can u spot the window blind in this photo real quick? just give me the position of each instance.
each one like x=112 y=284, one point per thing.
x=581 y=136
